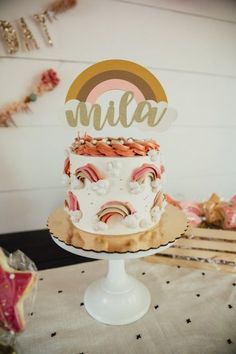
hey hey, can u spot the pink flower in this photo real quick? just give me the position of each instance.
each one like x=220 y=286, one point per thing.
x=50 y=77
x=191 y=206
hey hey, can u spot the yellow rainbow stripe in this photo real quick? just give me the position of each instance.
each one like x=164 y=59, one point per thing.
x=123 y=70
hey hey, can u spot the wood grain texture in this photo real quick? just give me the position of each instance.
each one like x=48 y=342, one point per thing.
x=207 y=244
x=202 y=249
x=203 y=254
x=213 y=234
x=190 y=264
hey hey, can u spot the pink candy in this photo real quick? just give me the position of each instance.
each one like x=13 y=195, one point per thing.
x=193 y=211
x=193 y=218
x=229 y=213
x=191 y=206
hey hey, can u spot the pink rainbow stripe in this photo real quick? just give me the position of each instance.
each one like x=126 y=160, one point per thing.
x=144 y=170
x=114 y=84
x=72 y=203
x=90 y=172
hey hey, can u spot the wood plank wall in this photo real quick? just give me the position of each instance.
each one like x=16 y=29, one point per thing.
x=189 y=45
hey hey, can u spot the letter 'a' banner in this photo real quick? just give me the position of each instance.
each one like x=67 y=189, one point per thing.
x=118 y=98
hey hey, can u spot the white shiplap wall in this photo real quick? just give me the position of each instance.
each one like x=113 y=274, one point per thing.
x=189 y=45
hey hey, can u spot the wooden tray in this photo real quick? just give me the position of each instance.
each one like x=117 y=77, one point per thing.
x=203 y=249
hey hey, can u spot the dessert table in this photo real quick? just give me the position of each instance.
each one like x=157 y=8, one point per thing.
x=192 y=311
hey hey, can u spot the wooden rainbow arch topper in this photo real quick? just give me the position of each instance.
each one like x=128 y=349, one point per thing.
x=118 y=94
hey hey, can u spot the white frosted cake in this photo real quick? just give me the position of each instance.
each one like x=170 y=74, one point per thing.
x=114 y=185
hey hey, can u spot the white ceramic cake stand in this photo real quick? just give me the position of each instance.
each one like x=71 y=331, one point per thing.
x=117 y=298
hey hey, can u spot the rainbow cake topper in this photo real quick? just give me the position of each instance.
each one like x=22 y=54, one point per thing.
x=114 y=95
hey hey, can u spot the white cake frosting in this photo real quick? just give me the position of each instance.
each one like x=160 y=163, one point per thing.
x=123 y=196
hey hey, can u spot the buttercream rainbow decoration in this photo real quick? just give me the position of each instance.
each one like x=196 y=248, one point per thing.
x=71 y=203
x=115 y=208
x=116 y=74
x=146 y=170
x=158 y=200
x=66 y=172
x=72 y=207
x=157 y=207
x=88 y=172
x=66 y=169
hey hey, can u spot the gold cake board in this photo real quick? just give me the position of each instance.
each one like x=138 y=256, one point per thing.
x=172 y=226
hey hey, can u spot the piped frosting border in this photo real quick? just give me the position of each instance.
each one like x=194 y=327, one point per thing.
x=112 y=147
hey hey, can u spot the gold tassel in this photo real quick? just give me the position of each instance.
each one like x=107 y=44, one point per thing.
x=9 y=36
x=41 y=19
x=29 y=40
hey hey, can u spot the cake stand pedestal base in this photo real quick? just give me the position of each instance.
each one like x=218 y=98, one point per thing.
x=118 y=298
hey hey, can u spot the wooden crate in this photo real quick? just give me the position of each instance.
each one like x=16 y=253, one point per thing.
x=203 y=249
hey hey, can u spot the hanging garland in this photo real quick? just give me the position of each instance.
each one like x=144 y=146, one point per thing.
x=11 y=37
x=48 y=81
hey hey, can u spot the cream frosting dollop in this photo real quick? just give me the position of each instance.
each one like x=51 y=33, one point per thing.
x=145 y=223
x=153 y=154
x=156 y=185
x=101 y=186
x=155 y=213
x=75 y=215
x=100 y=226
x=77 y=183
x=114 y=168
x=65 y=179
x=131 y=221
x=135 y=187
